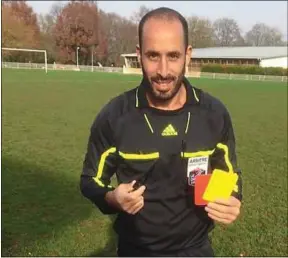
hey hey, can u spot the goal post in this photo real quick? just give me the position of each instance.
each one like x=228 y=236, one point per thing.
x=30 y=50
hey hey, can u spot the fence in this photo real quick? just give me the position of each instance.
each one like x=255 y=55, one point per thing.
x=198 y=74
x=83 y=68
x=251 y=77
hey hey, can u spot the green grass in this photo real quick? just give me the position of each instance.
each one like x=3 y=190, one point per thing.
x=45 y=126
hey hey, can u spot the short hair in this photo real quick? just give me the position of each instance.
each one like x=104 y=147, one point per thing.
x=164 y=13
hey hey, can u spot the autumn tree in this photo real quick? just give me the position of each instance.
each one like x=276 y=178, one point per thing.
x=200 y=32
x=77 y=26
x=227 y=33
x=263 y=35
x=19 y=29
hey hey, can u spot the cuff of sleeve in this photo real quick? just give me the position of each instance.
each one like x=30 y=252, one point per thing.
x=102 y=204
x=237 y=195
x=96 y=195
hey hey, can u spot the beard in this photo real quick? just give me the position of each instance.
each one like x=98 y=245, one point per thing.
x=164 y=96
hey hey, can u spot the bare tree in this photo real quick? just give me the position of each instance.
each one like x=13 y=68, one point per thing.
x=263 y=35
x=227 y=32
x=120 y=36
x=56 y=10
x=47 y=24
x=137 y=16
x=200 y=32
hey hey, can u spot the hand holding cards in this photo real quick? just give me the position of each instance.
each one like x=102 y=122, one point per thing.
x=208 y=188
x=221 y=185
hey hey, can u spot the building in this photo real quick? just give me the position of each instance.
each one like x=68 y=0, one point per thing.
x=260 y=56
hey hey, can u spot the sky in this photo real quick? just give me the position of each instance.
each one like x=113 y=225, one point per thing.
x=246 y=13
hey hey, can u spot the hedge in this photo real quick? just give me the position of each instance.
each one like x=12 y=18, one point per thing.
x=236 y=69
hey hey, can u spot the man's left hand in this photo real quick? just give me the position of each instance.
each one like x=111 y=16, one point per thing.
x=224 y=211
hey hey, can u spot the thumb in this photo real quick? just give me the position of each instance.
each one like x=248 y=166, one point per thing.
x=132 y=183
x=130 y=186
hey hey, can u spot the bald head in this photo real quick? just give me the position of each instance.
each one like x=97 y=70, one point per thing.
x=166 y=15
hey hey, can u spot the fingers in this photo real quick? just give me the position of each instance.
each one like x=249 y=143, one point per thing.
x=131 y=200
x=224 y=221
x=232 y=201
x=138 y=192
x=136 y=196
x=217 y=207
x=139 y=208
x=136 y=207
x=223 y=208
x=130 y=186
x=220 y=215
x=224 y=211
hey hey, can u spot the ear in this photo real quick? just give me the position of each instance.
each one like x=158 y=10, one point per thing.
x=138 y=52
x=188 y=54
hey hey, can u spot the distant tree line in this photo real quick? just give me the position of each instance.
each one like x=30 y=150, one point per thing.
x=68 y=26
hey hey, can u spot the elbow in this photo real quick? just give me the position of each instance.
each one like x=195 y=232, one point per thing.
x=85 y=186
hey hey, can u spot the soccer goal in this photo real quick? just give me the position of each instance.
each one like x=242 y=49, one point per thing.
x=30 y=50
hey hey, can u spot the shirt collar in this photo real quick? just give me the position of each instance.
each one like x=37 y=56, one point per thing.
x=142 y=102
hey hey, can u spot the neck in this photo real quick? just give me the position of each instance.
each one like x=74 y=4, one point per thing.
x=176 y=102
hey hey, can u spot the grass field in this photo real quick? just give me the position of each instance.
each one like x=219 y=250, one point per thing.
x=45 y=125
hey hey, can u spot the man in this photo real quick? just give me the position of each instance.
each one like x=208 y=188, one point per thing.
x=147 y=136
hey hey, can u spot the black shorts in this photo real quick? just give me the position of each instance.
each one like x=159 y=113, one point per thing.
x=204 y=250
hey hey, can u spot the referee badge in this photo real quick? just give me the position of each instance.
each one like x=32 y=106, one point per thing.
x=196 y=166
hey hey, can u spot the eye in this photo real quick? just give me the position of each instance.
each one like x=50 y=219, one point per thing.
x=174 y=56
x=153 y=56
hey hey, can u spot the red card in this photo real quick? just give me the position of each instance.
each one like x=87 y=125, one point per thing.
x=201 y=182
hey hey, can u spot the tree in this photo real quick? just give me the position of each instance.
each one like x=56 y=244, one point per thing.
x=263 y=35
x=19 y=29
x=137 y=16
x=77 y=26
x=227 y=32
x=200 y=32
x=56 y=10
x=120 y=36
x=47 y=23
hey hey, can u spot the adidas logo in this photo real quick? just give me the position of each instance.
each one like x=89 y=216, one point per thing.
x=169 y=131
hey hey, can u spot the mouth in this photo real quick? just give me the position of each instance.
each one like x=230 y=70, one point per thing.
x=163 y=85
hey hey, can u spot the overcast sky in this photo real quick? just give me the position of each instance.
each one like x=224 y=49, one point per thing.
x=246 y=13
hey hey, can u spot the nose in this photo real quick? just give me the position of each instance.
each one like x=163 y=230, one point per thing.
x=163 y=67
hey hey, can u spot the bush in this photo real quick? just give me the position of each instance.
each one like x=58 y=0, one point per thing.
x=242 y=69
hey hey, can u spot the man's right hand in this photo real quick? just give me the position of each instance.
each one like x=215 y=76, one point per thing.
x=125 y=198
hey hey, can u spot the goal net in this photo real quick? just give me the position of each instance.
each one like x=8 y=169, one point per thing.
x=26 y=60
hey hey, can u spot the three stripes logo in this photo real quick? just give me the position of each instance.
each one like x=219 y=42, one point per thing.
x=169 y=131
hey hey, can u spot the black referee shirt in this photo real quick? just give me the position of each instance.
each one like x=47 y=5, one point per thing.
x=135 y=141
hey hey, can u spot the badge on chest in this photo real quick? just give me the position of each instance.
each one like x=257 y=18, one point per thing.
x=196 y=166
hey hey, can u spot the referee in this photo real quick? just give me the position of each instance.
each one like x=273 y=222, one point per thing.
x=147 y=136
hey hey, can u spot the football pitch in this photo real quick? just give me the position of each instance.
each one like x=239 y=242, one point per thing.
x=45 y=126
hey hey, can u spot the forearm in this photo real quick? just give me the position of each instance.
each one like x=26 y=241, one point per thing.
x=100 y=196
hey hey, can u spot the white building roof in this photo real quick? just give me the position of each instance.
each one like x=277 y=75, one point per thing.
x=240 y=52
x=236 y=52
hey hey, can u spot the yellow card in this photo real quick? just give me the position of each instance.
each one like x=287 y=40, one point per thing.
x=220 y=186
